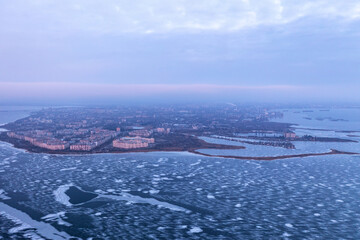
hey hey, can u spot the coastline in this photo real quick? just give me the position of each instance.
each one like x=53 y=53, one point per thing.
x=181 y=143
x=199 y=144
x=192 y=150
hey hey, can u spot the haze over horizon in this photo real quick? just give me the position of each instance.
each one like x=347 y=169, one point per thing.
x=239 y=50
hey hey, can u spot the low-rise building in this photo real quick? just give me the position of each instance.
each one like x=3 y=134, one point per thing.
x=82 y=147
x=141 y=133
x=162 y=130
x=289 y=135
x=132 y=142
x=40 y=139
x=52 y=144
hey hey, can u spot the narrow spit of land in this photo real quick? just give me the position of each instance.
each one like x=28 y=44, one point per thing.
x=332 y=152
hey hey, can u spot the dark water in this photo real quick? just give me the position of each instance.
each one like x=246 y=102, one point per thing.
x=78 y=196
x=11 y=113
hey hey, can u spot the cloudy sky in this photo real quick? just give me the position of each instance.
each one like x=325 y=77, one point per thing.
x=239 y=50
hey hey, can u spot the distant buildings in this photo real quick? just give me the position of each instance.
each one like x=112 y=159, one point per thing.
x=39 y=138
x=132 y=142
x=289 y=135
x=89 y=129
x=162 y=130
x=46 y=139
x=83 y=146
x=52 y=144
x=97 y=137
x=141 y=133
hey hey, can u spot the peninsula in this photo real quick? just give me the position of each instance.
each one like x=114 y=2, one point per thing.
x=146 y=129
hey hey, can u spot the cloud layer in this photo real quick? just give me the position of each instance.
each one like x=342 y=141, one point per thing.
x=81 y=48
x=160 y=16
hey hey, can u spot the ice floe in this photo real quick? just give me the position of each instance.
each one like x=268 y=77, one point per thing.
x=26 y=223
x=210 y=196
x=289 y=225
x=152 y=201
x=195 y=230
x=68 y=169
x=61 y=196
x=3 y=195
x=56 y=217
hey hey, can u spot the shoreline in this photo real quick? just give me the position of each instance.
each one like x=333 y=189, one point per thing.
x=190 y=150
x=200 y=144
x=188 y=144
x=328 y=130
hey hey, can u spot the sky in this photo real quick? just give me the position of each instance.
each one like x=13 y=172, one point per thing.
x=87 y=51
